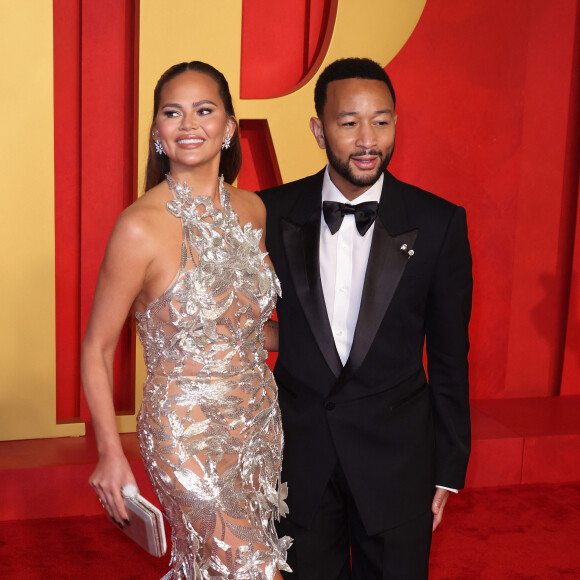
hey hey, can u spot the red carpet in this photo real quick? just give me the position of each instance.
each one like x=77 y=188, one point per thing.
x=516 y=532
x=511 y=533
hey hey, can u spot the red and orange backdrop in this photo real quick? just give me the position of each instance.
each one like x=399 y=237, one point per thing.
x=488 y=97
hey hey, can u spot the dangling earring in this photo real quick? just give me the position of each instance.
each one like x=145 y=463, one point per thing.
x=227 y=140
x=158 y=147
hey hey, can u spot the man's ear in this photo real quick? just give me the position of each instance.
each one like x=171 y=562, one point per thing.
x=318 y=131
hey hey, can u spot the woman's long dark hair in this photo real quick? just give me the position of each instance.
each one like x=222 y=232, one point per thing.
x=231 y=159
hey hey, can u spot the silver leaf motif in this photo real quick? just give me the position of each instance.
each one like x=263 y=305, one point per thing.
x=209 y=425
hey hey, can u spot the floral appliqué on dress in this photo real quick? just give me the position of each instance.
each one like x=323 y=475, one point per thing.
x=209 y=425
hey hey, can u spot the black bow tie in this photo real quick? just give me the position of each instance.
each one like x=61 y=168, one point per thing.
x=364 y=215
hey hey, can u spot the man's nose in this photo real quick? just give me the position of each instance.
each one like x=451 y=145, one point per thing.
x=366 y=137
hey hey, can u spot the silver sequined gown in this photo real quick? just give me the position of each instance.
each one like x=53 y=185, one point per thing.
x=209 y=425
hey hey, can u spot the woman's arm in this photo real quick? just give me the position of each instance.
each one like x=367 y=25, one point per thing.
x=250 y=208
x=270 y=331
x=120 y=281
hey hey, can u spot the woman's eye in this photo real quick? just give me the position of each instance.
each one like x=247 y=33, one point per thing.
x=170 y=113
x=205 y=111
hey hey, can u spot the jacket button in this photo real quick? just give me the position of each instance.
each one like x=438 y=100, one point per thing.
x=329 y=406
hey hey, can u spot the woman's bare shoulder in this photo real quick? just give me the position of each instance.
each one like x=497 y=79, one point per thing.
x=248 y=206
x=140 y=223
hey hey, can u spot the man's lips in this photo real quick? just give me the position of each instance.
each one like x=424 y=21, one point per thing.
x=365 y=161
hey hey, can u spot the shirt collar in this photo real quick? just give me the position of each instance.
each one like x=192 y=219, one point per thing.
x=331 y=193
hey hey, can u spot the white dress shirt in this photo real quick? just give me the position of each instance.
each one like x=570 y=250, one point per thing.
x=343 y=264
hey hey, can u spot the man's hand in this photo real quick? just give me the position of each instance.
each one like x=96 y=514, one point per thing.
x=438 y=506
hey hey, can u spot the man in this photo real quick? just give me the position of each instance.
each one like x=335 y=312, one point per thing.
x=367 y=439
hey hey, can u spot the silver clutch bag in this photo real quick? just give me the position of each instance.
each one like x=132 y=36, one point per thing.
x=145 y=523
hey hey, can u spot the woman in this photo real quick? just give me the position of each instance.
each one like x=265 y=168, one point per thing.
x=188 y=258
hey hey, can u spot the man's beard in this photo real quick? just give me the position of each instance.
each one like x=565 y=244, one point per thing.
x=344 y=170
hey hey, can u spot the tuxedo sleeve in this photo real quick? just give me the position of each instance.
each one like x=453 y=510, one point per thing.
x=447 y=343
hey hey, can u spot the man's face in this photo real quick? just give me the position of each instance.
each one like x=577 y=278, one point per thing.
x=357 y=129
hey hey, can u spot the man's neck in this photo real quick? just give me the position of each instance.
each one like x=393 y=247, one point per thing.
x=348 y=189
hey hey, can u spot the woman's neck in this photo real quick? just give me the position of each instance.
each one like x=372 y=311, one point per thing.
x=202 y=180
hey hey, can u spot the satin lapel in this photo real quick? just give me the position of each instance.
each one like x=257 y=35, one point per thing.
x=386 y=265
x=301 y=241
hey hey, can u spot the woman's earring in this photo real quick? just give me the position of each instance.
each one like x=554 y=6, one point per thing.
x=227 y=141
x=158 y=147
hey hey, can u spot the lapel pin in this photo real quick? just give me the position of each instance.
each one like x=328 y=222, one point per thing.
x=404 y=249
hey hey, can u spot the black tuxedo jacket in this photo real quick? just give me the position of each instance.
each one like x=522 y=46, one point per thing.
x=395 y=434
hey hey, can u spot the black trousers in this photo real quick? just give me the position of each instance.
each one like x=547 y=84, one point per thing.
x=323 y=552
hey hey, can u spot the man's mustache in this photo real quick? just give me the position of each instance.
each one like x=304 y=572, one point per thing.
x=364 y=152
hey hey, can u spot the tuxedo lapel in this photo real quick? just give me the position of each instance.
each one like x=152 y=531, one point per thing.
x=301 y=238
x=393 y=238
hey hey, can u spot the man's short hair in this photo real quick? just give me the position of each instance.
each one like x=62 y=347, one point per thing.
x=348 y=68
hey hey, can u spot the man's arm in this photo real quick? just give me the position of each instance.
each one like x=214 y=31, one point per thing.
x=446 y=326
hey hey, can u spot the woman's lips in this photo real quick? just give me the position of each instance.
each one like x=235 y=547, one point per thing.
x=189 y=141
